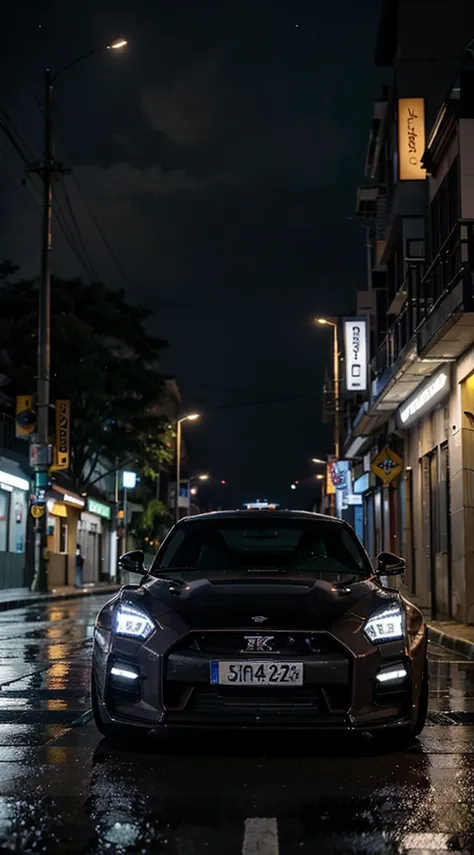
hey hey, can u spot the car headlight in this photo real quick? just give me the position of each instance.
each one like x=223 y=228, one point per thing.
x=385 y=625
x=133 y=622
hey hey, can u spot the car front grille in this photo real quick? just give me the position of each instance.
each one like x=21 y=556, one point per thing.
x=218 y=704
x=299 y=643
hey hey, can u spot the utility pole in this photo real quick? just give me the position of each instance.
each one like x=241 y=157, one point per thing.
x=41 y=468
x=42 y=457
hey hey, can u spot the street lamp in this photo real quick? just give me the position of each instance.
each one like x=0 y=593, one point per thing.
x=47 y=170
x=318 y=461
x=326 y=322
x=190 y=418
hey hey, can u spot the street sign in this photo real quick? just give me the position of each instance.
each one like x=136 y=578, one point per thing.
x=40 y=454
x=37 y=511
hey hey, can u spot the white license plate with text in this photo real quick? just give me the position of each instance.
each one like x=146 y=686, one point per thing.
x=257 y=673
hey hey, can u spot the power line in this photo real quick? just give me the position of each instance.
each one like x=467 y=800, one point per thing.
x=78 y=247
x=258 y=403
x=60 y=217
x=79 y=237
x=5 y=118
x=101 y=233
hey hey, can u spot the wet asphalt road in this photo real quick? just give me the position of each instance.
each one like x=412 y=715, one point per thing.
x=63 y=790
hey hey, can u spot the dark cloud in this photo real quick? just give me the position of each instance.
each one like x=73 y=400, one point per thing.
x=220 y=156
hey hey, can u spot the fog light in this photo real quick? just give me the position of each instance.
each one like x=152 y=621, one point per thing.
x=391 y=676
x=123 y=672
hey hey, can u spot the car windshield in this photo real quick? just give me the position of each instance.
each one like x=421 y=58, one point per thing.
x=321 y=547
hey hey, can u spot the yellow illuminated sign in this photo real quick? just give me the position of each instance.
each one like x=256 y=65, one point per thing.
x=387 y=465
x=63 y=421
x=411 y=138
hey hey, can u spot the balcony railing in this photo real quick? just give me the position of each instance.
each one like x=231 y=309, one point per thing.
x=453 y=262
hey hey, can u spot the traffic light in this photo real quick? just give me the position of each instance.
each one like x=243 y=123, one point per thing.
x=25 y=420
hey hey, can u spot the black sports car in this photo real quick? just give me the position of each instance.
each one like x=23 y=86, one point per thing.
x=260 y=619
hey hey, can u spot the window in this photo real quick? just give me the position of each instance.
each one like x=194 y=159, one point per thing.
x=444 y=210
x=62 y=536
x=265 y=543
x=4 y=518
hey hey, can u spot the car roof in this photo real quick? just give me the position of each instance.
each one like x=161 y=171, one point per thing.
x=273 y=514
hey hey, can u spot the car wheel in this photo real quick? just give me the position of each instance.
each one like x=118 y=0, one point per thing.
x=117 y=733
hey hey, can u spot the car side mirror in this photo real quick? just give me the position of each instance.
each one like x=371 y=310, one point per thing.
x=389 y=564
x=133 y=562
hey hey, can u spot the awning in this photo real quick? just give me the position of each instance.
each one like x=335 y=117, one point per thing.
x=69 y=498
x=57 y=509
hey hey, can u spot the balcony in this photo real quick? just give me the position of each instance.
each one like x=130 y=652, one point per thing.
x=435 y=325
x=447 y=328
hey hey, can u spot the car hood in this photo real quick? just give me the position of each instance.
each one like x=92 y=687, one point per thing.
x=270 y=602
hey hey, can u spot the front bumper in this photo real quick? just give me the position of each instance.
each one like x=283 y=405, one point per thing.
x=172 y=688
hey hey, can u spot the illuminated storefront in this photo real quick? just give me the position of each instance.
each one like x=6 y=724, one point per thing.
x=14 y=489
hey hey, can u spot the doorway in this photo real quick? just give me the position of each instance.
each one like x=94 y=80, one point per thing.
x=437 y=530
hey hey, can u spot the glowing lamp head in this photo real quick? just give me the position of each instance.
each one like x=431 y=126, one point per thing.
x=117 y=44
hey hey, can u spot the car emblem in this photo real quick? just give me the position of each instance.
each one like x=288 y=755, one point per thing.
x=258 y=643
x=259 y=619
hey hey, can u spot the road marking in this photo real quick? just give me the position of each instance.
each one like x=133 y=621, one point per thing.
x=260 y=836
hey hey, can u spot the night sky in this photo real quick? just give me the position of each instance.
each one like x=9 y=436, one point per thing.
x=220 y=153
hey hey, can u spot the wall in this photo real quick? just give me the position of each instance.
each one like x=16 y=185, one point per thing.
x=466 y=166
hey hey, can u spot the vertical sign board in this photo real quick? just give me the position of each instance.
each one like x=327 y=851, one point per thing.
x=411 y=138
x=355 y=354
x=62 y=434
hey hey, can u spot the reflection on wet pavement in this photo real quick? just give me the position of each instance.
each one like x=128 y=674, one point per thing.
x=63 y=790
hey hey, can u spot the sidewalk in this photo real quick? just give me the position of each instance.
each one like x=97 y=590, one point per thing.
x=456 y=636
x=17 y=598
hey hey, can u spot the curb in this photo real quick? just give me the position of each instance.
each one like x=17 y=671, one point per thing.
x=34 y=600
x=452 y=642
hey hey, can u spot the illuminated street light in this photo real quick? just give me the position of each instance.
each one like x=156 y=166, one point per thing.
x=48 y=169
x=117 y=44
x=318 y=461
x=190 y=418
x=337 y=415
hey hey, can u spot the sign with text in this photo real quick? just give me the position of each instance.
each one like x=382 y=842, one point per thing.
x=355 y=353
x=411 y=138
x=98 y=508
x=62 y=435
x=426 y=397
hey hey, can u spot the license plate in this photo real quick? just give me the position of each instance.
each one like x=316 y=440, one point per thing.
x=257 y=673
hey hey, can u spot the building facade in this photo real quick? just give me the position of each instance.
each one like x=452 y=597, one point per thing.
x=411 y=444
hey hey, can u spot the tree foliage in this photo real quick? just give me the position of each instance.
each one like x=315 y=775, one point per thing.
x=103 y=360
x=148 y=526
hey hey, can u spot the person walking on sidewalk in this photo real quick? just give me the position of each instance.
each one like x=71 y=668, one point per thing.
x=79 y=574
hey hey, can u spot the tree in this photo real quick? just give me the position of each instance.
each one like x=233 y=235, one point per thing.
x=103 y=360
x=148 y=526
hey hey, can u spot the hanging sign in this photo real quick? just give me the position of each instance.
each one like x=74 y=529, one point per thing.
x=411 y=138
x=63 y=422
x=387 y=465
x=355 y=353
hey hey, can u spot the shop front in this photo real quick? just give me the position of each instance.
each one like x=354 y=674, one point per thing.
x=64 y=509
x=93 y=536
x=14 y=491
x=425 y=420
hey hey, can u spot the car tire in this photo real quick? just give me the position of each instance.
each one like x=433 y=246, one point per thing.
x=404 y=737
x=116 y=733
